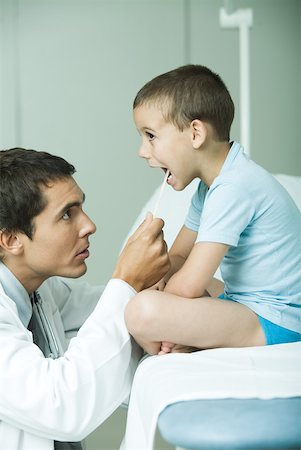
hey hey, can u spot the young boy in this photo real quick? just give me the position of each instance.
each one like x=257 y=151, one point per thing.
x=240 y=218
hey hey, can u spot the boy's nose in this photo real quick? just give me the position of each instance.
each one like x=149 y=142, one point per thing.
x=143 y=152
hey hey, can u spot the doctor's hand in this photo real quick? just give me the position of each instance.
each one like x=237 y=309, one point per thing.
x=144 y=259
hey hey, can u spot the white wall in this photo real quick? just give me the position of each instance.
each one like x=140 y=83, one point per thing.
x=275 y=73
x=70 y=70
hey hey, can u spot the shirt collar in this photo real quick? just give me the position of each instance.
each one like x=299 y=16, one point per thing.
x=16 y=292
x=235 y=149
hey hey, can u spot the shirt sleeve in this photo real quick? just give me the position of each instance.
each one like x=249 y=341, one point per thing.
x=192 y=220
x=227 y=212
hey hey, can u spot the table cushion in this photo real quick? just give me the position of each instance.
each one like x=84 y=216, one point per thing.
x=233 y=424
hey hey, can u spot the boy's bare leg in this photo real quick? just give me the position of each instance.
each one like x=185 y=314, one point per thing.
x=214 y=289
x=169 y=347
x=154 y=317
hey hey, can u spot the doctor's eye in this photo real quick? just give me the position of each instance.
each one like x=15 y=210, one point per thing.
x=66 y=215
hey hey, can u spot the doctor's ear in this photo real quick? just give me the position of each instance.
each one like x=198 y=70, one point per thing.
x=199 y=133
x=10 y=242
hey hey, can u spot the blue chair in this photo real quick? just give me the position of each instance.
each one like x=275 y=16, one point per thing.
x=233 y=424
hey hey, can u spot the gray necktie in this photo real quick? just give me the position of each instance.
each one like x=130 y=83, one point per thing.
x=42 y=337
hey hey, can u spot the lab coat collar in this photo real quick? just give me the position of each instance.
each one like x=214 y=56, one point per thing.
x=16 y=291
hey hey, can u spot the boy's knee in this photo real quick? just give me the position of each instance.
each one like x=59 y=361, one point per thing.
x=140 y=312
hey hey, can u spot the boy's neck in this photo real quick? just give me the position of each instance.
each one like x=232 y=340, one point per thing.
x=213 y=158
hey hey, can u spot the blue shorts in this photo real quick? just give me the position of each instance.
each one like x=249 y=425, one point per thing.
x=274 y=334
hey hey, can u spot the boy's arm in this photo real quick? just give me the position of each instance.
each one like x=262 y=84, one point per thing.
x=194 y=276
x=180 y=250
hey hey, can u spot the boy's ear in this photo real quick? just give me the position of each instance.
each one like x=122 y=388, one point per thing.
x=199 y=133
x=10 y=242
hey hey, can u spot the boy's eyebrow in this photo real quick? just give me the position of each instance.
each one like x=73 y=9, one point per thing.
x=147 y=129
x=70 y=205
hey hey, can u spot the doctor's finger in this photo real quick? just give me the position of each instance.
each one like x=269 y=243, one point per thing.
x=148 y=219
x=154 y=230
x=164 y=247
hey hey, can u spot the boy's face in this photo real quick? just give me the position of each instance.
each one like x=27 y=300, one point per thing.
x=164 y=145
x=60 y=241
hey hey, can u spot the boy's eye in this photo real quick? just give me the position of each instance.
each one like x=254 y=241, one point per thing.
x=150 y=136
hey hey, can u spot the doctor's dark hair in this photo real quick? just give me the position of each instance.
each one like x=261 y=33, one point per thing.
x=187 y=93
x=22 y=174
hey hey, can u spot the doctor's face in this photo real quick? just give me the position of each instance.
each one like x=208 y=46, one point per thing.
x=60 y=241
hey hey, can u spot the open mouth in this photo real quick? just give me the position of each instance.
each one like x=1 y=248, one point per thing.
x=169 y=178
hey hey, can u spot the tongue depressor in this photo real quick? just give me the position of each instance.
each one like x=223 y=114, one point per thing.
x=160 y=193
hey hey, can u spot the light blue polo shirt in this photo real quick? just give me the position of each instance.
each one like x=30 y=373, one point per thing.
x=248 y=209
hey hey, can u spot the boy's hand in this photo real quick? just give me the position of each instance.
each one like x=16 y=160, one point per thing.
x=159 y=286
x=144 y=259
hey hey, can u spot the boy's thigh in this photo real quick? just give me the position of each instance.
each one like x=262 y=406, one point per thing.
x=227 y=324
x=201 y=322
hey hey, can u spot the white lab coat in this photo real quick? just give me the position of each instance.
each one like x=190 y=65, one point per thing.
x=64 y=399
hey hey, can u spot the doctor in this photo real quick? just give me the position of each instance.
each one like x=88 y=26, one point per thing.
x=57 y=384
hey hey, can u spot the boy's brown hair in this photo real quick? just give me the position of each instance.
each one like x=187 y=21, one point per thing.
x=191 y=92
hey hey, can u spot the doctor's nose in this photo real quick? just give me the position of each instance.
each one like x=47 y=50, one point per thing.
x=87 y=226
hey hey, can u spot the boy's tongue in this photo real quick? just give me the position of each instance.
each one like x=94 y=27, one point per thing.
x=169 y=178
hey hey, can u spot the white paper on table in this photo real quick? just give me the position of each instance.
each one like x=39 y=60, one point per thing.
x=254 y=372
